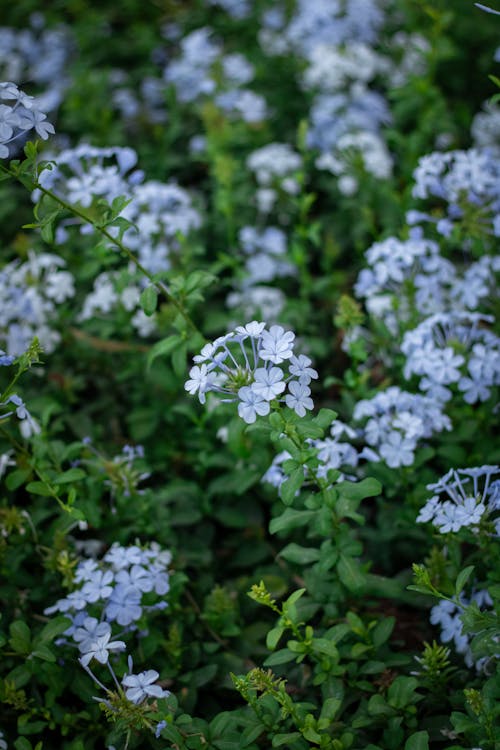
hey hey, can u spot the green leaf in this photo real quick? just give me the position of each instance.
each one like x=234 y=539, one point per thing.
x=40 y=488
x=47 y=226
x=149 y=299
x=368 y=487
x=20 y=637
x=289 y=488
x=311 y=735
x=350 y=573
x=285 y=739
x=273 y=637
x=325 y=646
x=163 y=347
x=418 y=741
x=378 y=707
x=21 y=675
x=291 y=519
x=220 y=723
x=300 y=555
x=282 y=656
x=53 y=628
x=325 y=418
x=294 y=598
x=16 y=478
x=382 y=631
x=309 y=430
x=462 y=579
x=43 y=652
x=23 y=744
x=401 y=692
x=72 y=475
x=330 y=708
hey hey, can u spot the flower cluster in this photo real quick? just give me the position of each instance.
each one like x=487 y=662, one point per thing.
x=110 y=593
x=190 y=73
x=316 y=22
x=258 y=301
x=115 y=291
x=264 y=250
x=275 y=167
x=266 y=260
x=116 y=588
x=161 y=213
x=453 y=348
x=242 y=366
x=334 y=453
x=447 y=615
x=397 y=422
x=132 y=102
x=158 y=213
x=486 y=127
x=368 y=148
x=38 y=54
x=470 y=497
x=19 y=113
x=346 y=115
x=86 y=172
x=408 y=276
x=29 y=295
x=201 y=69
x=467 y=182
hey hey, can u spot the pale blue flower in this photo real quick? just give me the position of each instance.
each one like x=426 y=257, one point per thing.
x=268 y=383
x=98 y=587
x=137 y=576
x=141 y=686
x=301 y=367
x=200 y=379
x=463 y=506
x=124 y=605
x=160 y=727
x=276 y=345
x=5 y=359
x=299 y=398
x=121 y=557
x=99 y=649
x=88 y=632
x=251 y=404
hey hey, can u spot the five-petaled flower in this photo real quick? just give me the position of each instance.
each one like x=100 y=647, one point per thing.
x=141 y=686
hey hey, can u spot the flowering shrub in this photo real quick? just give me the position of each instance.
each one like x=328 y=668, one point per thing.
x=289 y=211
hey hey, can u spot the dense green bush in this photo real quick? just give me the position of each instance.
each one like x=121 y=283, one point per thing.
x=249 y=375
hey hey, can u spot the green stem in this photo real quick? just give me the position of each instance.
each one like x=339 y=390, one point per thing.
x=38 y=473
x=159 y=285
x=301 y=444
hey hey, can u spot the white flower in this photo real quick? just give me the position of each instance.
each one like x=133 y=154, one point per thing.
x=90 y=630
x=300 y=367
x=397 y=450
x=141 y=686
x=276 y=345
x=298 y=398
x=251 y=329
x=200 y=379
x=268 y=383
x=99 y=649
x=251 y=404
